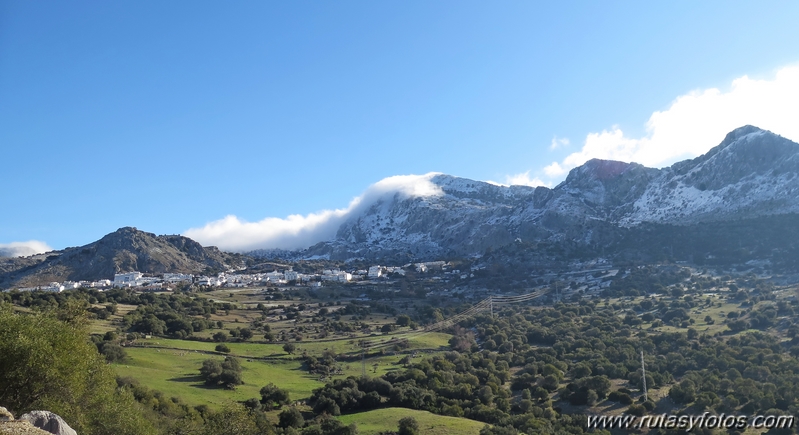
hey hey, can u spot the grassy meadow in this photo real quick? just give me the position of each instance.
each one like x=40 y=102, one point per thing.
x=387 y=419
x=172 y=365
x=176 y=374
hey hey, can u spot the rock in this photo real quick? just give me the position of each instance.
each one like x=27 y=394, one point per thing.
x=20 y=427
x=5 y=415
x=50 y=422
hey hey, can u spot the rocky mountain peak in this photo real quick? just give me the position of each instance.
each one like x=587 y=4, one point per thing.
x=739 y=133
x=599 y=169
x=751 y=174
x=745 y=153
x=125 y=250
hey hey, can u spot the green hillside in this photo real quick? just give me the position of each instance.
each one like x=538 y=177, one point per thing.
x=380 y=420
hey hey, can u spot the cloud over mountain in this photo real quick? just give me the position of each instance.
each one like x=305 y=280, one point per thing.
x=695 y=121
x=23 y=249
x=298 y=231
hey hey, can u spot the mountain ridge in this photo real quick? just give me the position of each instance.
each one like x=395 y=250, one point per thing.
x=125 y=250
x=603 y=208
x=750 y=174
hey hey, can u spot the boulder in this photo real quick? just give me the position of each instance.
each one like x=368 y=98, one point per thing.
x=20 y=427
x=50 y=422
x=5 y=415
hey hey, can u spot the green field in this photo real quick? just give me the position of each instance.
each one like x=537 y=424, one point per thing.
x=176 y=373
x=380 y=420
x=172 y=366
x=431 y=341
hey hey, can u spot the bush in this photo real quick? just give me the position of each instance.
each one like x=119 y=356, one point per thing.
x=112 y=352
x=291 y=417
x=408 y=426
x=618 y=396
x=227 y=373
x=221 y=347
x=636 y=410
x=271 y=395
x=48 y=364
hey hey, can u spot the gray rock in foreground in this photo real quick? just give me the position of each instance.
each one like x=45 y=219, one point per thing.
x=5 y=415
x=50 y=422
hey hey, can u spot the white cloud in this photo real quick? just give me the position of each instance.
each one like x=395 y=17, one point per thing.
x=23 y=249
x=558 y=143
x=297 y=231
x=524 y=179
x=554 y=170
x=698 y=121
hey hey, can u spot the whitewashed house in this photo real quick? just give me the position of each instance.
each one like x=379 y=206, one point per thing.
x=129 y=279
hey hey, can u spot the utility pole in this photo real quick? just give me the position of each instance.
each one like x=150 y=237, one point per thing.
x=643 y=375
x=491 y=305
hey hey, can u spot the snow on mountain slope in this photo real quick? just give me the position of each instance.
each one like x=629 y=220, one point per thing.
x=751 y=173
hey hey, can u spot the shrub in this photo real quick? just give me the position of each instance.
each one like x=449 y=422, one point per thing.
x=48 y=364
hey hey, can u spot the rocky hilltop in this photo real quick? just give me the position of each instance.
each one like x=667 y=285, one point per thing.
x=602 y=205
x=124 y=250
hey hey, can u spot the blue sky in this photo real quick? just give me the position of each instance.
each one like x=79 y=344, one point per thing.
x=169 y=116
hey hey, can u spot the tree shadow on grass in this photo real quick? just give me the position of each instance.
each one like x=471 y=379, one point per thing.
x=196 y=381
x=188 y=378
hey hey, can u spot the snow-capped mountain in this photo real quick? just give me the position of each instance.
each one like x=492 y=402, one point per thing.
x=752 y=173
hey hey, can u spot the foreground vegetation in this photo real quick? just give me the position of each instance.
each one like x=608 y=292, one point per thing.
x=194 y=364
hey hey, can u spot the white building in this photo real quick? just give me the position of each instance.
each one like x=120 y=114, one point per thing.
x=290 y=275
x=178 y=277
x=129 y=279
x=53 y=287
x=375 y=272
x=338 y=276
x=276 y=277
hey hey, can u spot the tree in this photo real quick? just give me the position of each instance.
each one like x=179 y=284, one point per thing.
x=227 y=373
x=550 y=382
x=581 y=370
x=684 y=392
x=210 y=371
x=253 y=404
x=222 y=347
x=403 y=320
x=408 y=426
x=220 y=336
x=291 y=417
x=246 y=334
x=289 y=348
x=550 y=369
x=271 y=395
x=233 y=420
x=637 y=410
x=48 y=364
x=112 y=352
x=332 y=426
